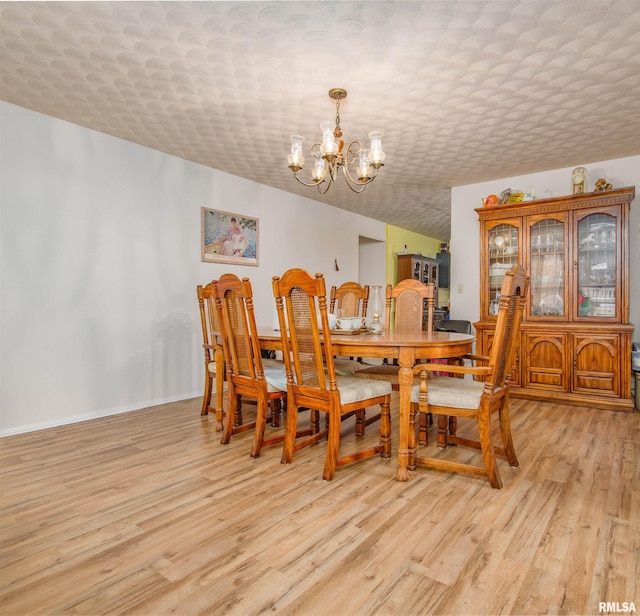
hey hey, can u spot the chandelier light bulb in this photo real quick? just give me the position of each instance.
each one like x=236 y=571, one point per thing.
x=296 y=159
x=319 y=169
x=376 y=154
x=364 y=169
x=329 y=146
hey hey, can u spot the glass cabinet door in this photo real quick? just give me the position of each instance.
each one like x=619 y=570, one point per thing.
x=597 y=266
x=425 y=274
x=433 y=276
x=547 y=263
x=504 y=249
x=417 y=269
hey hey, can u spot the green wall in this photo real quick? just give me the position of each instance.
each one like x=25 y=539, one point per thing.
x=416 y=243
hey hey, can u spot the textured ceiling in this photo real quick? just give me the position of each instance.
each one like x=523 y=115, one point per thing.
x=464 y=91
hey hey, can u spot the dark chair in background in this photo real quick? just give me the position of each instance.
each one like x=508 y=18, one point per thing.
x=453 y=325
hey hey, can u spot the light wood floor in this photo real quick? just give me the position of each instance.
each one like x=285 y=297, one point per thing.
x=146 y=513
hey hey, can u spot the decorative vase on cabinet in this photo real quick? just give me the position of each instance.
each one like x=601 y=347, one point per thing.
x=575 y=340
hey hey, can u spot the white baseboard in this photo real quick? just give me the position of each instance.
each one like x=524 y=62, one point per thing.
x=63 y=421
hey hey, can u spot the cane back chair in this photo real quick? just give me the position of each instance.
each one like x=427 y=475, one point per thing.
x=351 y=298
x=408 y=297
x=213 y=354
x=248 y=375
x=311 y=376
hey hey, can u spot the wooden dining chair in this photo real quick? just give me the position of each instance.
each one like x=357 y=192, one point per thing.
x=214 y=371
x=350 y=298
x=476 y=400
x=408 y=298
x=311 y=376
x=248 y=375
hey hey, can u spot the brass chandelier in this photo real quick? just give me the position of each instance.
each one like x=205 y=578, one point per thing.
x=330 y=159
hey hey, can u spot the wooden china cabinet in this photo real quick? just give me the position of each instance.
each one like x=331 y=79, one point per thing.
x=575 y=338
x=420 y=268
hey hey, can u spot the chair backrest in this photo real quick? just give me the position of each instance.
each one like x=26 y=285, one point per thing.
x=351 y=298
x=453 y=325
x=515 y=287
x=409 y=296
x=301 y=304
x=234 y=304
x=209 y=321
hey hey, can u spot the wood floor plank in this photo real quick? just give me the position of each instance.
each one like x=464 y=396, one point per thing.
x=147 y=513
x=410 y=591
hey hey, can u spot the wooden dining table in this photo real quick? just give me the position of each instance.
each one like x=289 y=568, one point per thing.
x=406 y=348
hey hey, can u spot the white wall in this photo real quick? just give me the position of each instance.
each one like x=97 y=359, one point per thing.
x=100 y=257
x=465 y=247
x=370 y=254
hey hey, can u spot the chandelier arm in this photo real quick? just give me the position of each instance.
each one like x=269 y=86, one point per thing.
x=351 y=183
x=357 y=182
x=310 y=185
x=351 y=153
x=322 y=192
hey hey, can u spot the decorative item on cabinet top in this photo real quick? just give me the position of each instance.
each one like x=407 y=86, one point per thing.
x=578 y=178
x=508 y=196
x=602 y=184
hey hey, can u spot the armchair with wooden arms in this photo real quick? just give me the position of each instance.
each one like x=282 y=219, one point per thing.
x=248 y=375
x=476 y=400
x=311 y=376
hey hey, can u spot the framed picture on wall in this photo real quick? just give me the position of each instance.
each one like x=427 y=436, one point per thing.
x=229 y=238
